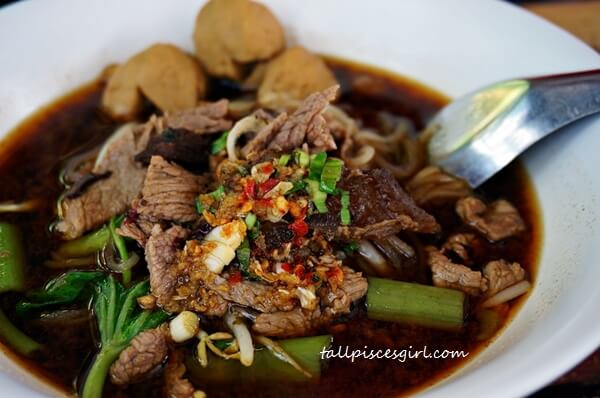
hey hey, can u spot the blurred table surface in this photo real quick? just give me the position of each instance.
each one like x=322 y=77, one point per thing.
x=582 y=19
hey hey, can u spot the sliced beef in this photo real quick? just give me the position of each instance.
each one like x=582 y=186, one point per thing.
x=379 y=207
x=264 y=137
x=502 y=274
x=175 y=385
x=169 y=193
x=107 y=197
x=305 y=125
x=459 y=244
x=209 y=117
x=146 y=351
x=161 y=256
x=338 y=301
x=256 y=295
x=136 y=228
x=497 y=221
x=297 y=322
x=300 y=322
x=447 y=274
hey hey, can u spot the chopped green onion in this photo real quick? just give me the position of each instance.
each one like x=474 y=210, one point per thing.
x=345 y=216
x=218 y=193
x=199 y=207
x=331 y=174
x=219 y=144
x=253 y=233
x=301 y=158
x=345 y=212
x=250 y=220
x=317 y=164
x=243 y=256
x=284 y=159
x=429 y=306
x=318 y=197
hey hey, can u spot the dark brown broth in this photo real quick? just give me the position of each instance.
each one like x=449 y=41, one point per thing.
x=31 y=157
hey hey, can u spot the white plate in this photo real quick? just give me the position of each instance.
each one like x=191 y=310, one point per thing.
x=48 y=47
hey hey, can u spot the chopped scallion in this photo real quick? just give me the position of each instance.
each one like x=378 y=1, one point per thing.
x=253 y=232
x=345 y=212
x=243 y=256
x=199 y=206
x=316 y=165
x=284 y=159
x=219 y=144
x=331 y=174
x=250 y=220
x=318 y=197
x=218 y=193
x=301 y=158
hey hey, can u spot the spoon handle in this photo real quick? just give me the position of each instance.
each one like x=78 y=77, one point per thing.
x=563 y=99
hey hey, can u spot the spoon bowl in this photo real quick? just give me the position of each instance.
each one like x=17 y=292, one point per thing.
x=480 y=133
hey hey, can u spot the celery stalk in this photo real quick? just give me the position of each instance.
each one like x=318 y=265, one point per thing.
x=12 y=259
x=266 y=366
x=422 y=305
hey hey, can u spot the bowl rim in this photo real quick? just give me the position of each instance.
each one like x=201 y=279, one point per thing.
x=21 y=96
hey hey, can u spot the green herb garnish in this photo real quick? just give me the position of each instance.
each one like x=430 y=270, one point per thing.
x=219 y=144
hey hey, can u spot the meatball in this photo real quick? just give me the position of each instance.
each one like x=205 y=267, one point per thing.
x=292 y=76
x=231 y=33
x=170 y=78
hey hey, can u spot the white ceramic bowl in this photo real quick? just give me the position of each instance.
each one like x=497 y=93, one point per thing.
x=49 y=47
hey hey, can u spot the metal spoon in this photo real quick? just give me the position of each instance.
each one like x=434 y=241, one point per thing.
x=477 y=135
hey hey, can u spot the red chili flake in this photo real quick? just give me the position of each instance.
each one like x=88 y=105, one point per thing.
x=299 y=271
x=250 y=189
x=235 y=277
x=308 y=277
x=334 y=273
x=264 y=203
x=268 y=185
x=287 y=267
x=299 y=227
x=298 y=241
x=267 y=168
